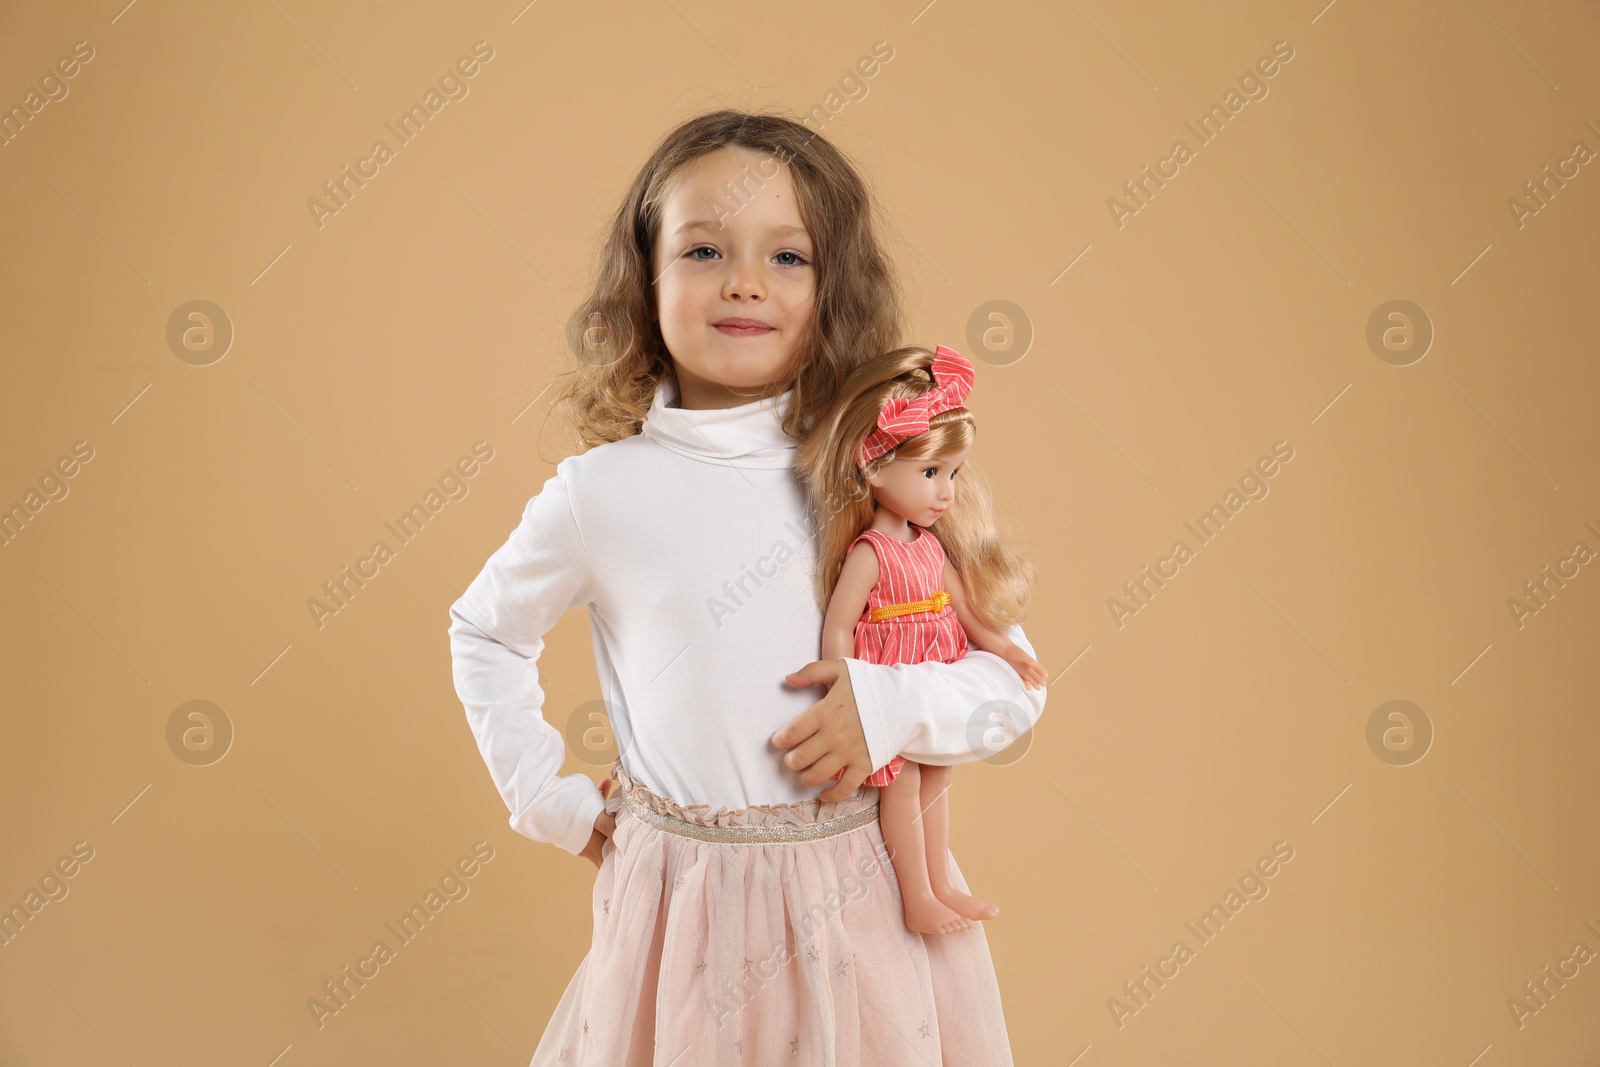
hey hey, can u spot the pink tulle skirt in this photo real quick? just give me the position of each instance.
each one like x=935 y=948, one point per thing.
x=772 y=935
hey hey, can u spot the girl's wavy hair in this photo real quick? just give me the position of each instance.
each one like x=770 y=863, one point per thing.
x=997 y=579
x=614 y=339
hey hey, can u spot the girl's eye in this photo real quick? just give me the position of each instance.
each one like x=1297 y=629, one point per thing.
x=797 y=259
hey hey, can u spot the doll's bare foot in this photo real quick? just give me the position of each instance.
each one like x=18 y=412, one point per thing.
x=965 y=904
x=926 y=915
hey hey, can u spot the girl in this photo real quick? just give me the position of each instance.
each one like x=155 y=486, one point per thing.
x=893 y=448
x=738 y=916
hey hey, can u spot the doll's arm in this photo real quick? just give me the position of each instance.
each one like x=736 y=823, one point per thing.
x=857 y=577
x=497 y=631
x=982 y=635
x=987 y=637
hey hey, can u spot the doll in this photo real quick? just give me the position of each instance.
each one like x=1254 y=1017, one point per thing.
x=882 y=472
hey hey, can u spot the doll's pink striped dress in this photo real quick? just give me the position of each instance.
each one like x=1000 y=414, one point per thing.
x=924 y=626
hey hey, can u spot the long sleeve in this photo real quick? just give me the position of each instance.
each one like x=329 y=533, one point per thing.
x=497 y=631
x=930 y=712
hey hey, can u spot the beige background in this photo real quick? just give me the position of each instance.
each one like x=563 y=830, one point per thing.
x=1230 y=313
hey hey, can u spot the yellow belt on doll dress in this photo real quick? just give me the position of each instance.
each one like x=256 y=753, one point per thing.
x=937 y=602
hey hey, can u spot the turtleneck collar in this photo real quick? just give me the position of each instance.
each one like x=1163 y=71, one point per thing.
x=749 y=435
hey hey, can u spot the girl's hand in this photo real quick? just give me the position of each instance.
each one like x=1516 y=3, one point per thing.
x=605 y=824
x=1027 y=668
x=827 y=736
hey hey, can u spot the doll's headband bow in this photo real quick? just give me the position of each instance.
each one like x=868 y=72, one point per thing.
x=905 y=417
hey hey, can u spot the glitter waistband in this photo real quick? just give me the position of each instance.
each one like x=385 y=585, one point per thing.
x=759 y=824
x=751 y=835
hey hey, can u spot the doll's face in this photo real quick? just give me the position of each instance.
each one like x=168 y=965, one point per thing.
x=918 y=490
x=719 y=258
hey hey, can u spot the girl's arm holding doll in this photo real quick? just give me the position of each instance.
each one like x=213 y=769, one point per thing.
x=928 y=712
x=933 y=712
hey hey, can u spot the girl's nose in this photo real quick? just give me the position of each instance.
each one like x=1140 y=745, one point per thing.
x=743 y=283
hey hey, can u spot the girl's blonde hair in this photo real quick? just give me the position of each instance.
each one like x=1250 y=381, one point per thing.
x=997 y=579
x=615 y=339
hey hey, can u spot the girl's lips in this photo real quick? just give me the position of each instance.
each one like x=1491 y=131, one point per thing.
x=743 y=331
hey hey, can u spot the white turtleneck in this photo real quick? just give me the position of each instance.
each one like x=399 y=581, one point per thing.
x=689 y=543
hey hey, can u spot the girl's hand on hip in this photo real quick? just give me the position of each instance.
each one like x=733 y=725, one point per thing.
x=827 y=736
x=605 y=824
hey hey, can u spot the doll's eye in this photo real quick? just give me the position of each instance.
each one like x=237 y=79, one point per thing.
x=930 y=472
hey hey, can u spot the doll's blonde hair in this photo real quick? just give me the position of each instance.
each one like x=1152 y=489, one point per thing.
x=996 y=577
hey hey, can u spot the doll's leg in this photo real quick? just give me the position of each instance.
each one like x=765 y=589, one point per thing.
x=899 y=816
x=935 y=799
